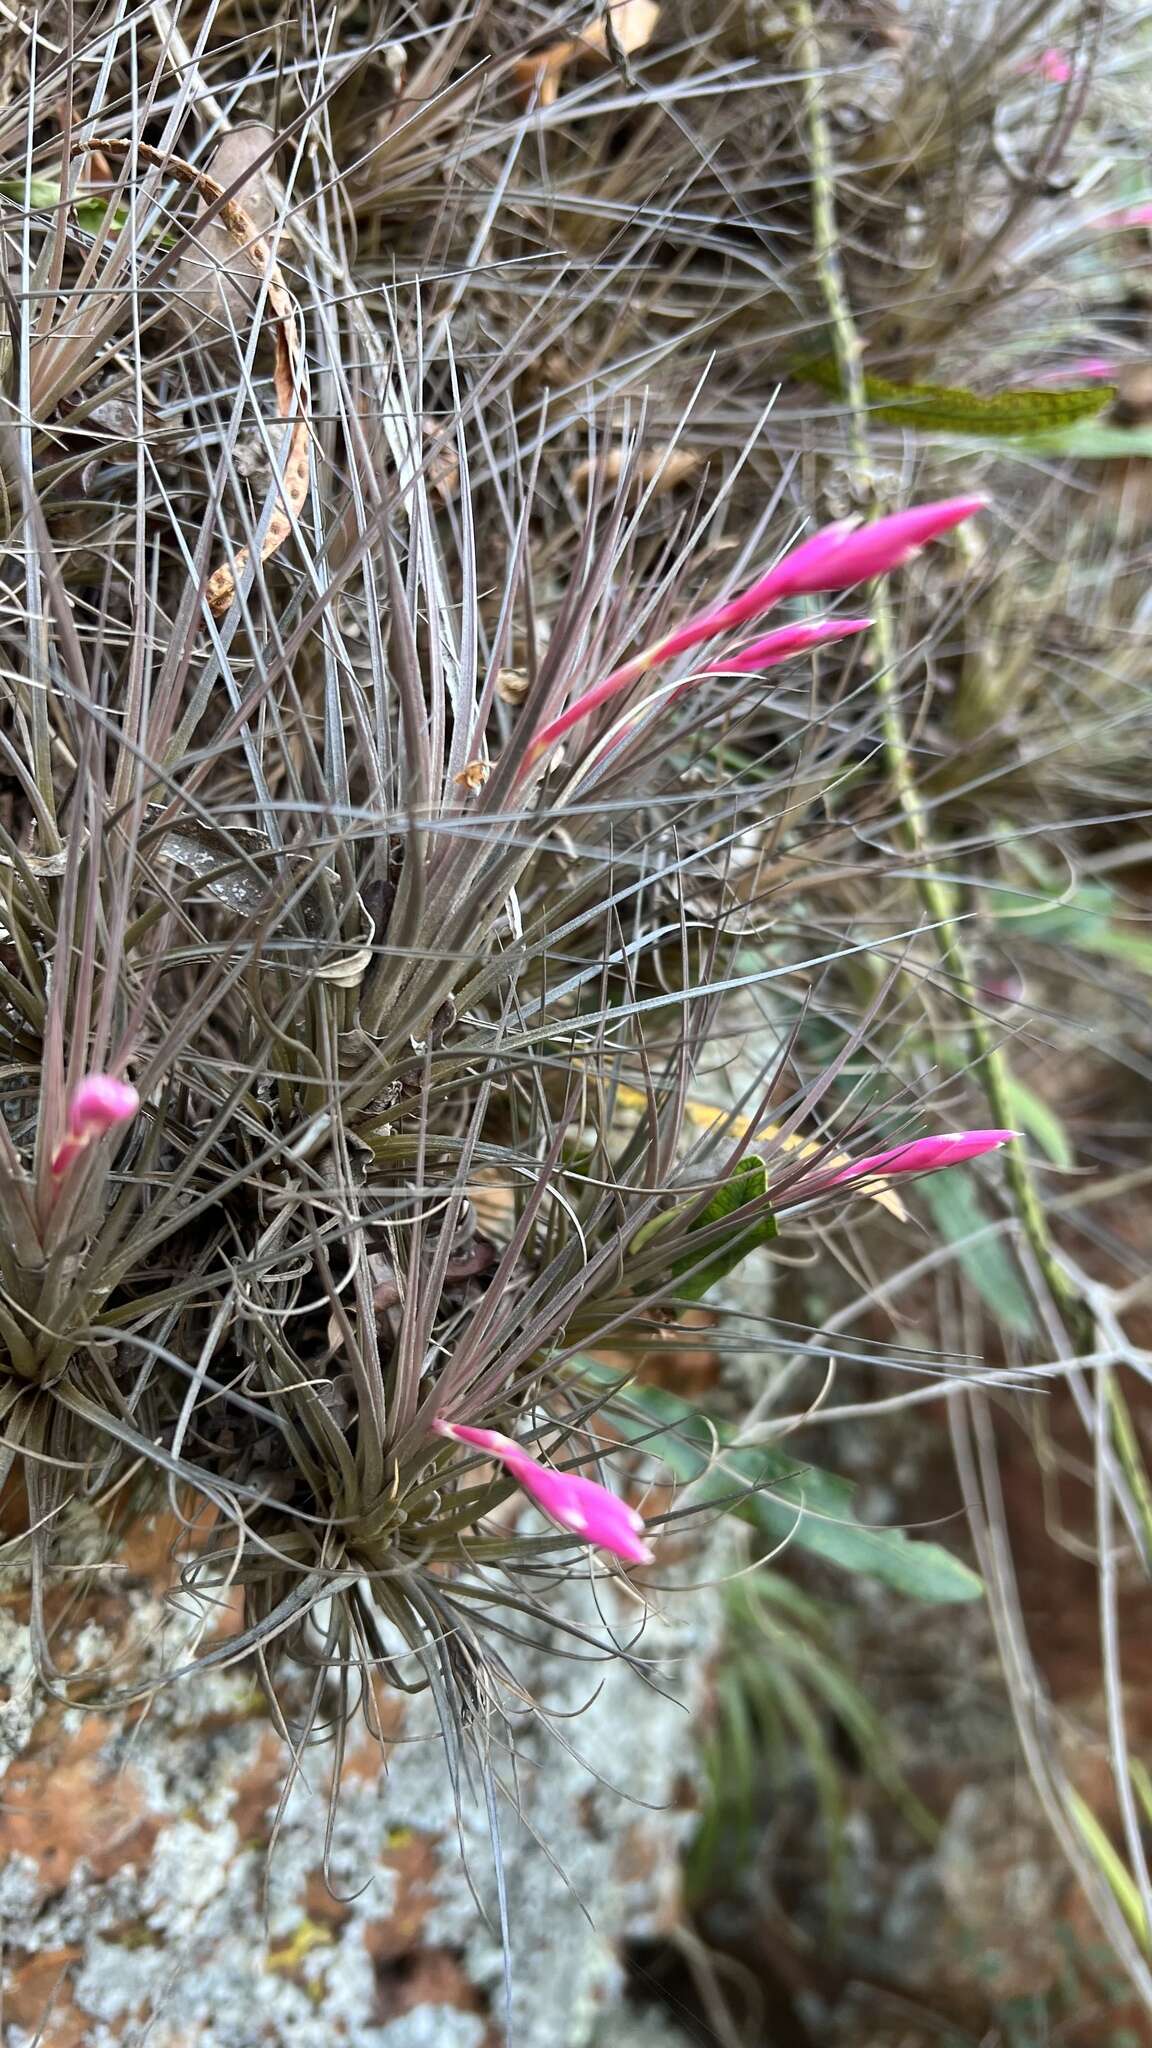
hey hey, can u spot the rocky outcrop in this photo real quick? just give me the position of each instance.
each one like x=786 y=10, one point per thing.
x=159 y=1881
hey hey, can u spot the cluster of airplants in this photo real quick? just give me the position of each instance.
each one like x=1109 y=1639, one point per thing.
x=366 y=941
x=321 y=974
x=350 y=885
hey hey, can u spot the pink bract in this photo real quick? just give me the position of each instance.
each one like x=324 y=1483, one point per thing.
x=922 y=1155
x=97 y=1104
x=582 y=1506
x=832 y=559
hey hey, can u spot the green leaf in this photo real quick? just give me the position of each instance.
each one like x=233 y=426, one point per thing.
x=1040 y=1122
x=1127 y=946
x=958 y=1211
x=952 y=409
x=1074 y=920
x=1088 y=440
x=1085 y=920
x=42 y=195
x=781 y=1497
x=747 y=1184
x=1111 y=1865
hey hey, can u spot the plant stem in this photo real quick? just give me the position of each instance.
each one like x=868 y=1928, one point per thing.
x=936 y=895
x=938 y=898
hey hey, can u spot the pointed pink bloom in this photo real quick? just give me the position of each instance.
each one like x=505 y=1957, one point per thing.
x=581 y=1506
x=1054 y=66
x=1089 y=369
x=765 y=653
x=99 y=1102
x=921 y=1155
x=832 y=559
x=764 y=593
x=1127 y=217
x=845 y=553
x=786 y=640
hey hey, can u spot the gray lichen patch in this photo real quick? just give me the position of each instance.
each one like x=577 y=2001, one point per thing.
x=372 y=1921
x=17 y=1689
x=434 y=2026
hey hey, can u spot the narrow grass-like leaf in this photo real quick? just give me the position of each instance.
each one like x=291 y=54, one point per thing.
x=958 y=1211
x=781 y=1497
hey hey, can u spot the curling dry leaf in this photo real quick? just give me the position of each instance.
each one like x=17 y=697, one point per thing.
x=214 y=280
x=633 y=25
x=662 y=468
x=290 y=380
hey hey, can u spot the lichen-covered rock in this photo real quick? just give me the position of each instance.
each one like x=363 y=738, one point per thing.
x=153 y=1886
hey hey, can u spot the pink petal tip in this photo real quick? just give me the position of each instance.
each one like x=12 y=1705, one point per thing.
x=921 y=1155
x=581 y=1506
x=97 y=1105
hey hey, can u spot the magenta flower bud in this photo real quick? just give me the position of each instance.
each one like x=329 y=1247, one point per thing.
x=99 y=1102
x=765 y=653
x=1127 y=217
x=786 y=640
x=775 y=583
x=921 y=1155
x=841 y=555
x=832 y=559
x=1054 y=66
x=582 y=1506
x=1086 y=369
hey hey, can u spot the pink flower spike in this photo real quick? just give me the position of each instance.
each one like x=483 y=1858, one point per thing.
x=1089 y=369
x=99 y=1102
x=841 y=555
x=774 y=647
x=761 y=595
x=582 y=1506
x=832 y=559
x=1127 y=217
x=922 y=1155
x=1054 y=66
x=583 y=707
x=786 y=640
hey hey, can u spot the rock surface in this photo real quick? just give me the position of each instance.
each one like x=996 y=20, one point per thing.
x=149 y=1891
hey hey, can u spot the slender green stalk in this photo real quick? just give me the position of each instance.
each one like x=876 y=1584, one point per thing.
x=826 y=243
x=937 y=896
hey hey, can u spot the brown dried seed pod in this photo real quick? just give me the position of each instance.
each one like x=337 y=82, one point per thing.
x=288 y=375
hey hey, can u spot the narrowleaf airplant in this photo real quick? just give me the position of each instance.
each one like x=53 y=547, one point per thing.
x=328 y=962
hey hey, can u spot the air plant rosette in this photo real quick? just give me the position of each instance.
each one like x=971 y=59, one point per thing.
x=423 y=731
x=255 y=1277
x=326 y=974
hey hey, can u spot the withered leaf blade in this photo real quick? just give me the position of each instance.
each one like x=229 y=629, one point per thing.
x=292 y=403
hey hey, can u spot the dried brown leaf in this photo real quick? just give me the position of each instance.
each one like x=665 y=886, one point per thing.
x=663 y=468
x=289 y=377
x=512 y=685
x=633 y=24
